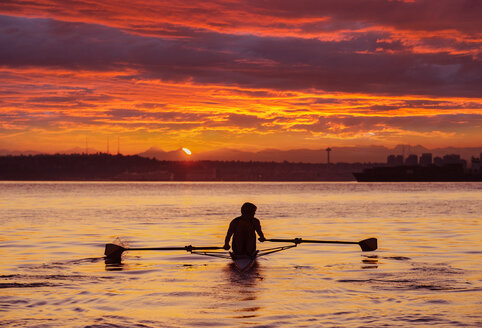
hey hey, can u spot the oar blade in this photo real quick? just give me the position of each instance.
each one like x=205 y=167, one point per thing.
x=113 y=251
x=368 y=245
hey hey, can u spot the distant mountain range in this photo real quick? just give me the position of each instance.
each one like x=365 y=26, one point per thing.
x=361 y=154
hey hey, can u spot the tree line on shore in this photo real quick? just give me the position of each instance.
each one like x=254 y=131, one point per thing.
x=101 y=166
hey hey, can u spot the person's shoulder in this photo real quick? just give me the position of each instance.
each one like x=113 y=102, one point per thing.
x=256 y=220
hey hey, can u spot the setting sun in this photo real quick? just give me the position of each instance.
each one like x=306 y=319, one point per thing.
x=187 y=151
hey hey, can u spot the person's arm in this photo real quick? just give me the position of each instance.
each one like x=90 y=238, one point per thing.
x=228 y=235
x=257 y=227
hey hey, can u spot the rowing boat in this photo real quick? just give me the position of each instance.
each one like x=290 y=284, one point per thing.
x=242 y=263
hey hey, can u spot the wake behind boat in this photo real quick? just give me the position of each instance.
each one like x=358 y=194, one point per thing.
x=242 y=263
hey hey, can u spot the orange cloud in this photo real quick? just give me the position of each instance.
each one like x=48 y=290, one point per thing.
x=242 y=74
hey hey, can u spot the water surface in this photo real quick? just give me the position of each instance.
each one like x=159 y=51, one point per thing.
x=426 y=272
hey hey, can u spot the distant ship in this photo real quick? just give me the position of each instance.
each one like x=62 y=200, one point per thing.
x=416 y=173
x=448 y=169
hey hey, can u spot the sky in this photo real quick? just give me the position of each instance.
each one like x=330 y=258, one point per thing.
x=246 y=75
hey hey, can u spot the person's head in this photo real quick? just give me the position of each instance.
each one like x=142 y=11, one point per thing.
x=248 y=209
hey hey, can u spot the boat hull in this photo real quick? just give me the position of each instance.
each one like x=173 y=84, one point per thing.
x=243 y=263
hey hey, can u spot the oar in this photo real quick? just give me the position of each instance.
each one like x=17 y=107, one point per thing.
x=366 y=245
x=115 y=251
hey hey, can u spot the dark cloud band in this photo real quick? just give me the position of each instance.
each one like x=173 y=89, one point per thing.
x=279 y=63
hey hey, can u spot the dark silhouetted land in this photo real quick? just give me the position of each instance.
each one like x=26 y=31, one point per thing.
x=106 y=167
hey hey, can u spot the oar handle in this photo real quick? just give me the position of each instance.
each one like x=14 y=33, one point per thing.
x=366 y=245
x=185 y=248
x=295 y=240
x=329 y=241
x=115 y=251
x=301 y=240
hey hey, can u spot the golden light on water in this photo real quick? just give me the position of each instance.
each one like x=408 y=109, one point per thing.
x=162 y=286
x=186 y=150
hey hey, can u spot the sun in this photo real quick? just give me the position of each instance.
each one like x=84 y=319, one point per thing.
x=187 y=151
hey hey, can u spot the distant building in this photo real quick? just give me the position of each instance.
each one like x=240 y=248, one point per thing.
x=328 y=155
x=426 y=159
x=476 y=165
x=438 y=161
x=412 y=160
x=454 y=159
x=393 y=160
x=451 y=159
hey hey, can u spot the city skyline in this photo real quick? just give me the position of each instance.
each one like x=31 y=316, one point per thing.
x=356 y=154
x=239 y=75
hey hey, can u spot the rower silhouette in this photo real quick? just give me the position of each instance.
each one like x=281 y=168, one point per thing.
x=244 y=229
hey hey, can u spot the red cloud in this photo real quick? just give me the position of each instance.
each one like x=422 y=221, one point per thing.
x=275 y=68
x=243 y=60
